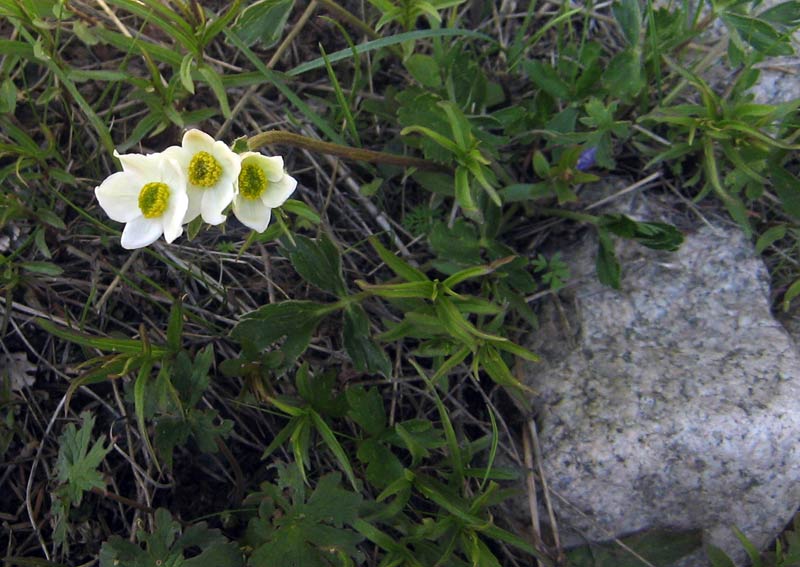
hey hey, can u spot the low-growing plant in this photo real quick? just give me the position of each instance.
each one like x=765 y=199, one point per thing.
x=344 y=360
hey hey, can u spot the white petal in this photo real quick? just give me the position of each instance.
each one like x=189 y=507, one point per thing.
x=195 y=201
x=181 y=155
x=252 y=213
x=214 y=202
x=173 y=217
x=272 y=166
x=118 y=195
x=196 y=140
x=139 y=164
x=140 y=232
x=170 y=172
x=277 y=193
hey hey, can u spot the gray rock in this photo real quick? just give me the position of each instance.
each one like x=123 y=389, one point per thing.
x=672 y=403
x=779 y=81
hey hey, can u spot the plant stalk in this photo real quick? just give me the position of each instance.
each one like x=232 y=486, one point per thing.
x=346 y=152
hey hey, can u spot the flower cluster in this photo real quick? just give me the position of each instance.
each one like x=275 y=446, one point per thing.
x=159 y=193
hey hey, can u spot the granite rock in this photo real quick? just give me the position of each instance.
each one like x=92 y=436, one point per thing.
x=671 y=403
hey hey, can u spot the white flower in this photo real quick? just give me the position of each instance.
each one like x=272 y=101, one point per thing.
x=149 y=195
x=262 y=185
x=211 y=169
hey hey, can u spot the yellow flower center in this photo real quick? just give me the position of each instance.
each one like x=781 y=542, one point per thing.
x=252 y=181
x=204 y=170
x=153 y=199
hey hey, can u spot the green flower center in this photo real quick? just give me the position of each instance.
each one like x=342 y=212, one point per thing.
x=252 y=181
x=204 y=170
x=153 y=199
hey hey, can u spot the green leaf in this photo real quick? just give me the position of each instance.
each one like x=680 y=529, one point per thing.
x=659 y=547
x=409 y=441
x=415 y=290
x=397 y=265
x=455 y=323
x=366 y=409
x=383 y=466
x=329 y=438
x=717 y=557
x=307 y=533
x=656 y=235
x=770 y=237
x=791 y=293
x=43 y=268
x=301 y=209
x=564 y=192
x=629 y=17
x=295 y=320
x=393 y=39
x=749 y=547
x=494 y=365
x=787 y=186
x=166 y=546
x=425 y=70
x=186 y=72
x=175 y=326
x=77 y=464
x=609 y=271
x=140 y=400
x=421 y=107
x=547 y=79
x=526 y=191
x=784 y=16
x=215 y=82
x=49 y=217
x=8 y=97
x=623 y=76
x=478 y=552
x=190 y=379
x=759 y=34
x=318 y=262
x=344 y=103
x=464 y=192
x=517 y=350
x=459 y=125
x=110 y=345
x=320 y=391
x=540 y=165
x=263 y=21
x=364 y=352
x=458 y=244
x=170 y=432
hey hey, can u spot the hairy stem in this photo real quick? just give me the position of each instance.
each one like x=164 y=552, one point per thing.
x=346 y=152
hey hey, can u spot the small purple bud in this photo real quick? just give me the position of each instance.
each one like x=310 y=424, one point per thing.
x=587 y=159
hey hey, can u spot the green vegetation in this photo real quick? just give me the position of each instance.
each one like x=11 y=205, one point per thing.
x=339 y=389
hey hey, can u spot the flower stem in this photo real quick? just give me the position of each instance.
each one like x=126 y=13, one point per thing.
x=346 y=152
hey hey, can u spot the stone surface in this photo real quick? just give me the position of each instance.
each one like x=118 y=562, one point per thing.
x=779 y=81
x=672 y=403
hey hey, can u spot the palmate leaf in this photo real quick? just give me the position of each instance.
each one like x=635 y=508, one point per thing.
x=263 y=21
x=77 y=463
x=166 y=546
x=309 y=533
x=296 y=320
x=318 y=262
x=366 y=354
